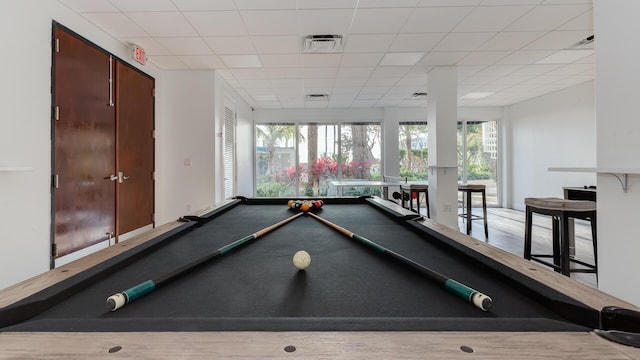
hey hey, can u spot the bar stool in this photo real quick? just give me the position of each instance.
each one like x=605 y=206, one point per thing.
x=467 y=190
x=408 y=190
x=561 y=210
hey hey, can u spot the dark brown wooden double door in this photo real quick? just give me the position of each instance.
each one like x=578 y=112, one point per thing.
x=102 y=145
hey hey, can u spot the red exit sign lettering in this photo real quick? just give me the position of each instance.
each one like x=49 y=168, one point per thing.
x=138 y=54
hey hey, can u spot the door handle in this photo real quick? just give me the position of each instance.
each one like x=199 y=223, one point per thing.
x=121 y=177
x=111 y=177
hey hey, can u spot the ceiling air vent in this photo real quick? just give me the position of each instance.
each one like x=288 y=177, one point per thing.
x=322 y=44
x=317 y=97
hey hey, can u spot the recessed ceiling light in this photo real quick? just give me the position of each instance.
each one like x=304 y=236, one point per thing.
x=476 y=95
x=401 y=59
x=317 y=97
x=418 y=96
x=565 y=56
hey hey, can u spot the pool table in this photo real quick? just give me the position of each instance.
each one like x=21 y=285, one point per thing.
x=352 y=302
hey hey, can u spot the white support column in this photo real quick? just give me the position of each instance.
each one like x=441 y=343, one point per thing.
x=442 y=117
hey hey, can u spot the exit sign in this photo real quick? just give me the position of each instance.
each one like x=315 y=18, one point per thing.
x=138 y=54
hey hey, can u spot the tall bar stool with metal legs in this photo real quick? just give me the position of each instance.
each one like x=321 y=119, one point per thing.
x=561 y=210
x=467 y=190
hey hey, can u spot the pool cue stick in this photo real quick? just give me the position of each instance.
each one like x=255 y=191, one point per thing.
x=471 y=295
x=118 y=300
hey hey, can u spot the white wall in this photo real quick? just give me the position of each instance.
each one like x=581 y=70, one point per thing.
x=185 y=172
x=25 y=130
x=185 y=118
x=617 y=112
x=555 y=130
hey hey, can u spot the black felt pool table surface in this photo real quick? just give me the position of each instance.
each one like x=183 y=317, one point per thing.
x=347 y=286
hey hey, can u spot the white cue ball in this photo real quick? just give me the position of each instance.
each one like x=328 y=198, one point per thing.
x=301 y=260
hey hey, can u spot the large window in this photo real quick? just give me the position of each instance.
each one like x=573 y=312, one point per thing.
x=304 y=159
x=478 y=156
x=414 y=164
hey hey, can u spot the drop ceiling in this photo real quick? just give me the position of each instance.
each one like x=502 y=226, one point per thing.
x=506 y=51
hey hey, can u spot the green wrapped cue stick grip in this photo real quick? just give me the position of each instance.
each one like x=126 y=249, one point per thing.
x=118 y=300
x=472 y=296
x=475 y=297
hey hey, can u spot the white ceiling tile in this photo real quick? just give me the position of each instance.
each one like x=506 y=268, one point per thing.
x=163 y=24
x=346 y=90
x=483 y=57
x=327 y=4
x=230 y=45
x=204 y=5
x=355 y=72
x=363 y=4
x=415 y=42
x=499 y=70
x=401 y=59
x=443 y=58
x=565 y=56
x=524 y=57
x=286 y=84
x=318 y=83
x=390 y=71
x=557 y=40
x=559 y=2
x=90 y=6
x=241 y=61
x=374 y=90
x=514 y=40
x=217 y=23
x=280 y=60
x=547 y=17
x=228 y=76
x=254 y=87
x=168 y=62
x=277 y=44
x=479 y=80
x=363 y=103
x=343 y=97
x=466 y=71
x=321 y=60
x=386 y=82
x=270 y=22
x=362 y=59
x=319 y=72
x=572 y=69
x=536 y=69
x=380 y=21
x=462 y=41
x=368 y=42
x=116 y=24
x=150 y=45
x=316 y=104
x=185 y=46
x=203 y=62
x=284 y=73
x=510 y=2
x=265 y=5
x=449 y=2
x=436 y=19
x=491 y=18
x=144 y=5
x=324 y=21
x=368 y=97
x=582 y=22
x=350 y=82
x=413 y=80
